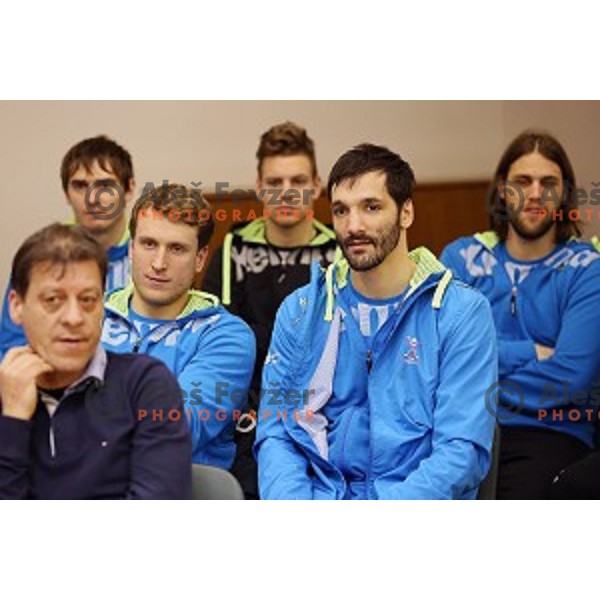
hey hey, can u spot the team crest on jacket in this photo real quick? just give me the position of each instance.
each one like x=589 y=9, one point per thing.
x=411 y=356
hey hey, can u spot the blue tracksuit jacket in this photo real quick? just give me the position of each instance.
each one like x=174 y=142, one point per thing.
x=407 y=421
x=210 y=351
x=553 y=302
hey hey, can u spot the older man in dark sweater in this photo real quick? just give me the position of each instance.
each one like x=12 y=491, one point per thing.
x=77 y=421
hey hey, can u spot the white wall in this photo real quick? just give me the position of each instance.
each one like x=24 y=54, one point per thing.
x=577 y=126
x=216 y=141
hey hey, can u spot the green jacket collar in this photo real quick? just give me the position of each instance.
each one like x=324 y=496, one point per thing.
x=427 y=265
x=255 y=231
x=118 y=302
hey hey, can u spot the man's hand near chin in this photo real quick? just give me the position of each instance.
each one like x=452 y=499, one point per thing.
x=18 y=375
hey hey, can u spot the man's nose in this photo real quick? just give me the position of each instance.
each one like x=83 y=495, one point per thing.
x=534 y=192
x=354 y=223
x=289 y=193
x=159 y=260
x=72 y=313
x=101 y=194
x=95 y=193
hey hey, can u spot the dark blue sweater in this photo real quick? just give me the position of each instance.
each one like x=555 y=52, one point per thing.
x=124 y=437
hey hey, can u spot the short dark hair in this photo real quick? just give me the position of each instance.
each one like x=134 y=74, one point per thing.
x=550 y=148
x=110 y=157
x=368 y=158
x=177 y=203
x=56 y=244
x=286 y=139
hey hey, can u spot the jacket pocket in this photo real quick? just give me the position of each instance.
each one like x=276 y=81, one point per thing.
x=350 y=447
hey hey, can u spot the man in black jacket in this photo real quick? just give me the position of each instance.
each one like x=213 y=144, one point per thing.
x=263 y=261
x=76 y=421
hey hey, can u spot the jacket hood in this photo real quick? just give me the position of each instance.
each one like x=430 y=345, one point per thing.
x=429 y=271
x=490 y=239
x=198 y=304
x=255 y=231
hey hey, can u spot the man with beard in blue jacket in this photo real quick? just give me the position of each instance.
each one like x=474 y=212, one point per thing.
x=392 y=356
x=210 y=351
x=544 y=287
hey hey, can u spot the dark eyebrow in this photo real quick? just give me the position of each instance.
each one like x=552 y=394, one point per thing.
x=182 y=244
x=94 y=289
x=105 y=181
x=146 y=238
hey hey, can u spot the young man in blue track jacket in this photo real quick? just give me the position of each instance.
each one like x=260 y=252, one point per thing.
x=210 y=351
x=390 y=357
x=76 y=421
x=97 y=178
x=544 y=287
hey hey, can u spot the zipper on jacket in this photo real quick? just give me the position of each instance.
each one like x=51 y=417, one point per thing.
x=52 y=442
x=136 y=347
x=513 y=295
x=51 y=405
x=283 y=265
x=283 y=274
x=140 y=339
x=369 y=360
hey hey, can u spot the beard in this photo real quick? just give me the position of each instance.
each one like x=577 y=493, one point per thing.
x=531 y=234
x=381 y=246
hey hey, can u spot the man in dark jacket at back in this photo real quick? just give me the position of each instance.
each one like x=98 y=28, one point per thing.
x=76 y=421
x=263 y=261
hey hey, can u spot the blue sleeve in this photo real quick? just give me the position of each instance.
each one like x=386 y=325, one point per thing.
x=161 y=457
x=514 y=354
x=11 y=335
x=282 y=467
x=575 y=364
x=220 y=373
x=463 y=428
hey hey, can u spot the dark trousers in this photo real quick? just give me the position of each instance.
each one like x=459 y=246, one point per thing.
x=530 y=460
x=580 y=480
x=244 y=466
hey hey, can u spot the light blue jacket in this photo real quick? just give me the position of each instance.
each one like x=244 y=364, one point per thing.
x=553 y=302
x=210 y=351
x=416 y=420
